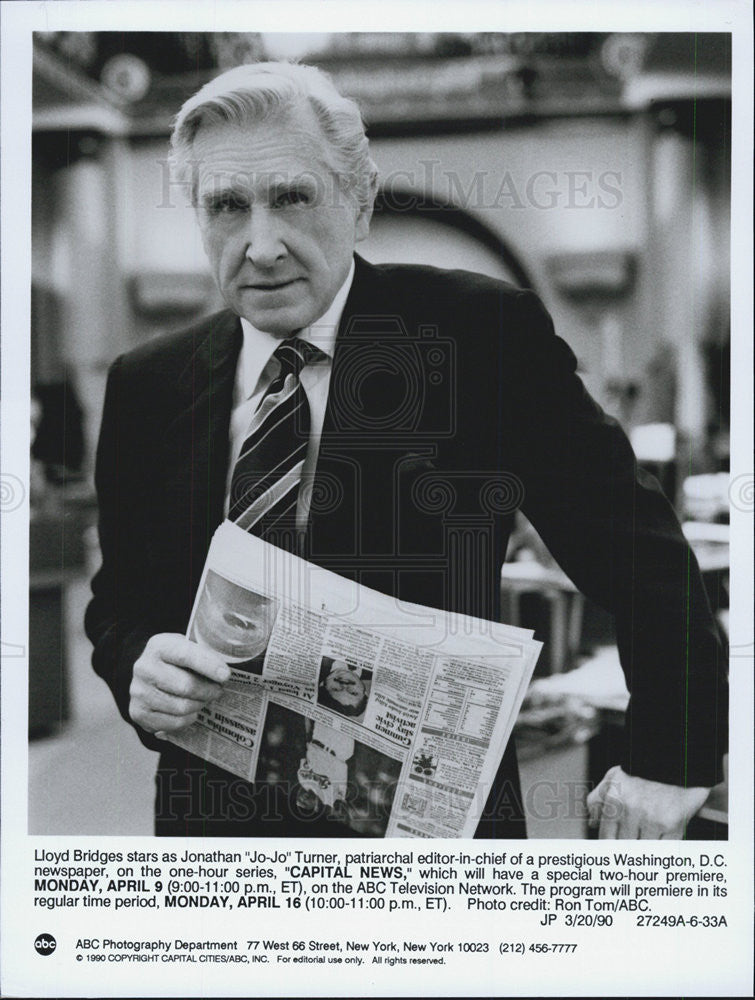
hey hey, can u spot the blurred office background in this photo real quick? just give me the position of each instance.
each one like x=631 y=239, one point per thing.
x=594 y=168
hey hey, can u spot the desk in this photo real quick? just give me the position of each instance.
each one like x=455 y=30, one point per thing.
x=55 y=553
x=566 y=605
x=710 y=543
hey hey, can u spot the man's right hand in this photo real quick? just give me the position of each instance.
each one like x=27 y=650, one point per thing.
x=173 y=680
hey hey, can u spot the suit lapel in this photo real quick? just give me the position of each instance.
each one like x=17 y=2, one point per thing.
x=375 y=377
x=195 y=445
x=333 y=537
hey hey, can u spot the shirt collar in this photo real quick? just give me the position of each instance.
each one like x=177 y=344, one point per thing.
x=258 y=346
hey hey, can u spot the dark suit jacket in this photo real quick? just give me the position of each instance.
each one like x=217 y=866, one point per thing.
x=451 y=403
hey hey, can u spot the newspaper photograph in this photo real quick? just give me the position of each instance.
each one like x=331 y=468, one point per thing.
x=376 y=498
x=396 y=732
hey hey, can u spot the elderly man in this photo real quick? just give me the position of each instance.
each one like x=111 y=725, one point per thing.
x=384 y=422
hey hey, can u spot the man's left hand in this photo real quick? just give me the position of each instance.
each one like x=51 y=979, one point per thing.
x=631 y=808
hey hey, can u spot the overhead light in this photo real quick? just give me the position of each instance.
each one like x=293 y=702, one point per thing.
x=127 y=76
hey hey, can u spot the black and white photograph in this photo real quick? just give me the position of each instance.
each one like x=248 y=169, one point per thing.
x=234 y=622
x=323 y=776
x=344 y=688
x=513 y=402
x=454 y=303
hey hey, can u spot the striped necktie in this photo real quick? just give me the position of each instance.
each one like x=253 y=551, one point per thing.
x=267 y=474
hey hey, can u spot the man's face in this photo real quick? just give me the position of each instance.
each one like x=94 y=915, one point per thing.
x=278 y=228
x=344 y=686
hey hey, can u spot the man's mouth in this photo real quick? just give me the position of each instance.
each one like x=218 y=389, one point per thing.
x=271 y=286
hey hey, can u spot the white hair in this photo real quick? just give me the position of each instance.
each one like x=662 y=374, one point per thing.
x=261 y=91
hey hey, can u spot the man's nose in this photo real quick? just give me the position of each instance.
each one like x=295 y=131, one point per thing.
x=265 y=245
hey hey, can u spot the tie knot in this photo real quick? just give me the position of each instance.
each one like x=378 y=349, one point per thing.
x=293 y=354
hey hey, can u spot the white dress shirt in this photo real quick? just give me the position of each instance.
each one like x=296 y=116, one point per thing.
x=257 y=368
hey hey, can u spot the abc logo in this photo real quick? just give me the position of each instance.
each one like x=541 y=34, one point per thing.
x=45 y=944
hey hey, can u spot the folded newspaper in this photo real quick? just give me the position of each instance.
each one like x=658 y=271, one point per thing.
x=390 y=717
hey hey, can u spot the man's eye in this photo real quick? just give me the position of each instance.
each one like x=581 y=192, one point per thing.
x=227 y=205
x=293 y=197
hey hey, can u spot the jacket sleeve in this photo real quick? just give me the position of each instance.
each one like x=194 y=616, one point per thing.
x=117 y=620
x=615 y=534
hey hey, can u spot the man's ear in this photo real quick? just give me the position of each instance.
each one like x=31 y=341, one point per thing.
x=362 y=229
